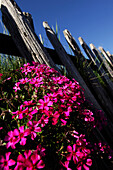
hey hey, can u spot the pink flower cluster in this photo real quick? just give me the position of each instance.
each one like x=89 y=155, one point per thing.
x=32 y=160
x=59 y=95
x=101 y=148
x=48 y=101
x=79 y=154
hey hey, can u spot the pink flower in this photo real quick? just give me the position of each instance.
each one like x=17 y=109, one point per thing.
x=55 y=117
x=84 y=165
x=36 y=162
x=23 y=81
x=1 y=75
x=12 y=140
x=33 y=128
x=31 y=113
x=81 y=141
x=31 y=161
x=6 y=162
x=21 y=133
x=74 y=98
x=20 y=113
x=28 y=103
x=75 y=134
x=89 y=162
x=26 y=65
x=40 y=150
x=63 y=122
x=67 y=113
x=66 y=164
x=1 y=128
x=23 y=162
x=16 y=87
x=36 y=81
x=73 y=153
x=88 y=115
x=44 y=104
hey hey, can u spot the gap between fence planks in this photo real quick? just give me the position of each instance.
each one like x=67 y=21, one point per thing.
x=23 y=35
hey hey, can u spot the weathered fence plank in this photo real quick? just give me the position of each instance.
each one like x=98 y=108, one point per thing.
x=96 y=87
x=102 y=60
x=76 y=50
x=106 y=56
x=109 y=54
x=23 y=35
x=87 y=50
x=100 y=69
x=29 y=19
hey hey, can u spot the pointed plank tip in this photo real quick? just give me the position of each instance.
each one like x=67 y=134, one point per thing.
x=100 y=48
x=66 y=31
x=109 y=54
x=81 y=40
x=92 y=46
x=45 y=24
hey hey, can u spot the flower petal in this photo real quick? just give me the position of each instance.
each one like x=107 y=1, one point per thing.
x=11 y=162
x=69 y=148
x=89 y=162
x=40 y=164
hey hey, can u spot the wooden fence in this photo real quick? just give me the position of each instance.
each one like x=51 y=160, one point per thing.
x=25 y=43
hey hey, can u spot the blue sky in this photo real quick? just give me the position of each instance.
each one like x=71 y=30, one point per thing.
x=92 y=20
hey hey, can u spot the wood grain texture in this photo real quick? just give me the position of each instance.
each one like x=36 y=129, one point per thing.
x=87 y=50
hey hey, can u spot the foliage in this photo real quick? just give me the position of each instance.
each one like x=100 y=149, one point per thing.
x=8 y=64
x=45 y=123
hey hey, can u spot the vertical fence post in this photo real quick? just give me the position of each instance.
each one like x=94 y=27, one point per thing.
x=87 y=50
